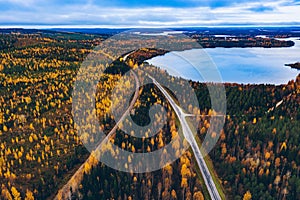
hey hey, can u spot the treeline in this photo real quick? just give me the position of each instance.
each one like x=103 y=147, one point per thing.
x=242 y=42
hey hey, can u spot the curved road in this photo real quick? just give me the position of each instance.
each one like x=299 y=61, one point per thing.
x=211 y=187
x=65 y=192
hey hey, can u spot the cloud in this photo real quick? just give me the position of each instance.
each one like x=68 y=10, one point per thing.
x=261 y=8
x=156 y=14
x=297 y=2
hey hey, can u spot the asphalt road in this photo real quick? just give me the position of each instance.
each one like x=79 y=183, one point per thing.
x=211 y=187
x=64 y=192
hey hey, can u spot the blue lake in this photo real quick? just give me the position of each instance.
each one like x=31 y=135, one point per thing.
x=235 y=65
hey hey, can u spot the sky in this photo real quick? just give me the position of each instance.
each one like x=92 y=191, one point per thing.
x=147 y=13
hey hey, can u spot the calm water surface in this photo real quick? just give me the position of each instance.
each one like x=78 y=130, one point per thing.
x=239 y=65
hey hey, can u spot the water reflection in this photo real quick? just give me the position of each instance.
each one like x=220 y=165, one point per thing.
x=239 y=65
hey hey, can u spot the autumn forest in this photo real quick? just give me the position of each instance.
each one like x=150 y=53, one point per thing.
x=256 y=157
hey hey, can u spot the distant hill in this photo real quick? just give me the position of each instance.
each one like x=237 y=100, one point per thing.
x=294 y=65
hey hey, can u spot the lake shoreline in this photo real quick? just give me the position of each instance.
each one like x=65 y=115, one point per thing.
x=252 y=65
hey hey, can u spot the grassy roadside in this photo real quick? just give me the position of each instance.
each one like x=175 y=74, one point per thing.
x=199 y=174
x=208 y=162
x=210 y=167
x=213 y=173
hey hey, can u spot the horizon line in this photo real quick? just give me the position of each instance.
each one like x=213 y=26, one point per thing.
x=139 y=27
